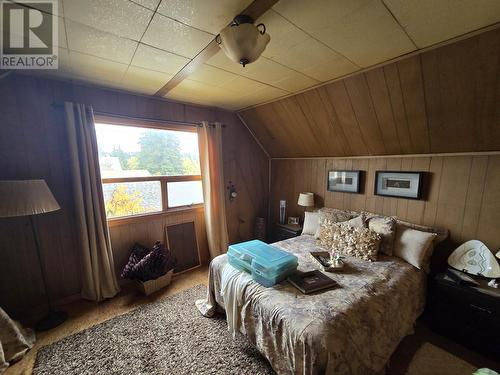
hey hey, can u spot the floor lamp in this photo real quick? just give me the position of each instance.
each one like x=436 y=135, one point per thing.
x=30 y=198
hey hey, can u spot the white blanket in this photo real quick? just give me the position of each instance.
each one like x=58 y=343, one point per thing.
x=233 y=285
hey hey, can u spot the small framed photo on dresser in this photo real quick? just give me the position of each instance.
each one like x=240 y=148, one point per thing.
x=399 y=184
x=344 y=181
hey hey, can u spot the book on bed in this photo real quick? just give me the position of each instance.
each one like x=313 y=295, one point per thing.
x=312 y=281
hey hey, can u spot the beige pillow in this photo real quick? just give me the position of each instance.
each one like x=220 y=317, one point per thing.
x=359 y=242
x=357 y=222
x=441 y=233
x=386 y=227
x=311 y=223
x=334 y=215
x=414 y=246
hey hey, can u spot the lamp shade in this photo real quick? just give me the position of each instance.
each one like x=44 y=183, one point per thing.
x=306 y=199
x=243 y=43
x=25 y=198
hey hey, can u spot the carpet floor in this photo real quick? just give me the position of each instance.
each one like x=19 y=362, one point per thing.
x=168 y=336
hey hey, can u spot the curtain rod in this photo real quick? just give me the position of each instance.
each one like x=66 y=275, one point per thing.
x=176 y=122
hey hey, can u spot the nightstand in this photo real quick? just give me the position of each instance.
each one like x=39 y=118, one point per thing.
x=282 y=232
x=469 y=315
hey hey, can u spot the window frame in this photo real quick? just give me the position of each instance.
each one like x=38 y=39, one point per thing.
x=164 y=180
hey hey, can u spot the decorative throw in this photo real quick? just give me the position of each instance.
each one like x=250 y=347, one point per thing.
x=15 y=340
x=358 y=242
x=138 y=252
x=154 y=264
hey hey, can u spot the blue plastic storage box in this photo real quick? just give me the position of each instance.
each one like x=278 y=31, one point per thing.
x=267 y=264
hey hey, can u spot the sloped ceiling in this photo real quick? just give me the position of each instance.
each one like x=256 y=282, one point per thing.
x=140 y=45
x=443 y=100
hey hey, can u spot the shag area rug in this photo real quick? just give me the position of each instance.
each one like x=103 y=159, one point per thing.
x=168 y=336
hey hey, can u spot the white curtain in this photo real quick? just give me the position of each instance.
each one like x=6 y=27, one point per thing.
x=98 y=272
x=210 y=144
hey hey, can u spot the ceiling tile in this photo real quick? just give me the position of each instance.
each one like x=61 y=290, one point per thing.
x=156 y=59
x=150 y=4
x=227 y=81
x=91 y=41
x=175 y=37
x=242 y=86
x=61 y=33
x=260 y=96
x=429 y=21
x=202 y=93
x=364 y=31
x=316 y=60
x=294 y=48
x=96 y=70
x=211 y=16
x=211 y=75
x=197 y=92
x=144 y=81
x=266 y=71
x=120 y=17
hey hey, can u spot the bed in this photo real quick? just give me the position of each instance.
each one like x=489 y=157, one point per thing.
x=352 y=329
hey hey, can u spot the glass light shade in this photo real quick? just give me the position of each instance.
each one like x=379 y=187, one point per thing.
x=243 y=42
x=25 y=198
x=306 y=199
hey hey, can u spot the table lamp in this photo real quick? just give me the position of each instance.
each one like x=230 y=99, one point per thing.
x=29 y=198
x=306 y=200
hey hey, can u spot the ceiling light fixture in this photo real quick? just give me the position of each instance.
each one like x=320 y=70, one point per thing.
x=242 y=41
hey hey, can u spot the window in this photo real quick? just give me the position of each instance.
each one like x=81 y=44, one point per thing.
x=146 y=169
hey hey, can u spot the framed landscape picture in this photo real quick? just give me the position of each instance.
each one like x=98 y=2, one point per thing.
x=399 y=184
x=344 y=181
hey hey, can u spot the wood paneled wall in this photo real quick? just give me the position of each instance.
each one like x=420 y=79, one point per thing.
x=33 y=145
x=443 y=100
x=247 y=167
x=461 y=193
x=148 y=231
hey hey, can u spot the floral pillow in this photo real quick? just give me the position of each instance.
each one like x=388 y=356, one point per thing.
x=333 y=215
x=357 y=242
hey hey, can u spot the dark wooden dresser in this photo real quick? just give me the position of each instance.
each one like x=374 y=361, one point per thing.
x=468 y=315
x=282 y=232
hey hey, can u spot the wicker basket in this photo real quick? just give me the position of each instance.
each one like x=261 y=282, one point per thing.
x=151 y=286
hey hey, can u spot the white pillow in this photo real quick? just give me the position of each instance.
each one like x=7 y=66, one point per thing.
x=311 y=223
x=413 y=246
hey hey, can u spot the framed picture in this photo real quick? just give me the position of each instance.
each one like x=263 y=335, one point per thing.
x=399 y=184
x=344 y=181
x=293 y=220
